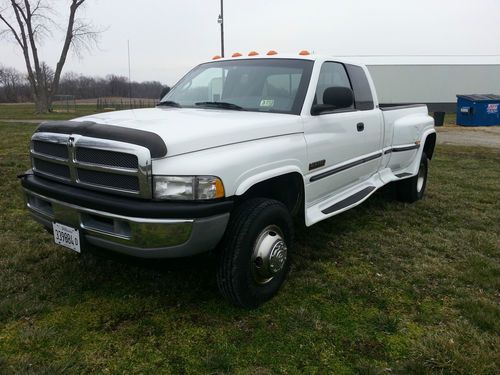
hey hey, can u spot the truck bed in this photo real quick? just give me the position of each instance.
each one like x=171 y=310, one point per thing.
x=392 y=107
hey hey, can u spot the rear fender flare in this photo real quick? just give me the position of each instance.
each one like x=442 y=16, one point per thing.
x=416 y=163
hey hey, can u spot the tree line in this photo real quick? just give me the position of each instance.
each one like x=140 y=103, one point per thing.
x=26 y=23
x=15 y=87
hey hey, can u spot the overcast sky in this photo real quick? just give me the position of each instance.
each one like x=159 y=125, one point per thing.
x=168 y=37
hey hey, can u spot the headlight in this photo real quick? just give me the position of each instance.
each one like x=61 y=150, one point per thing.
x=187 y=188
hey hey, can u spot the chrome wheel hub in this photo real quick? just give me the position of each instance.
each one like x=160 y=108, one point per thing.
x=269 y=254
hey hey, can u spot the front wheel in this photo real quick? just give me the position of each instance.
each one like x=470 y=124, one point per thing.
x=412 y=189
x=254 y=259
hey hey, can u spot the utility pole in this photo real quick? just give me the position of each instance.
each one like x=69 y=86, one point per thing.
x=220 y=20
x=129 y=82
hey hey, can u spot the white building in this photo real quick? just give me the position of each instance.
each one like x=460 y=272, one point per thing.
x=432 y=80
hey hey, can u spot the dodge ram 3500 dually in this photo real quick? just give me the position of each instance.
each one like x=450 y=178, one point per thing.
x=229 y=155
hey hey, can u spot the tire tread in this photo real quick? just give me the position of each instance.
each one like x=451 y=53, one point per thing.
x=407 y=188
x=239 y=224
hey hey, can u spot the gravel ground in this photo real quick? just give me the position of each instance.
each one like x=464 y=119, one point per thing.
x=486 y=136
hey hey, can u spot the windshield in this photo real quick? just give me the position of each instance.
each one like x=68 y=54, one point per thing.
x=263 y=85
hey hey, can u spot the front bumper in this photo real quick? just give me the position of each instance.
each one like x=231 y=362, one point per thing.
x=145 y=236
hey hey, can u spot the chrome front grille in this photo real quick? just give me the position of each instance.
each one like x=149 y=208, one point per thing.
x=95 y=163
x=102 y=157
x=51 y=149
x=106 y=179
x=55 y=169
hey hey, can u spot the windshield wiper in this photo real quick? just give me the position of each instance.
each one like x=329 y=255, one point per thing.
x=169 y=103
x=223 y=105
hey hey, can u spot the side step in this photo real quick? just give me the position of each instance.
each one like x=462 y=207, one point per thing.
x=349 y=201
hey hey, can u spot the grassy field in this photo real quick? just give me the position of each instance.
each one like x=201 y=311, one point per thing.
x=27 y=112
x=384 y=288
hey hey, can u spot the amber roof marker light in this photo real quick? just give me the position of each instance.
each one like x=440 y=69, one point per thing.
x=236 y=54
x=272 y=53
x=253 y=53
x=304 y=53
x=216 y=57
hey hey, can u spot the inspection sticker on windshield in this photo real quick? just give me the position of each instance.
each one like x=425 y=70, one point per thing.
x=267 y=103
x=66 y=236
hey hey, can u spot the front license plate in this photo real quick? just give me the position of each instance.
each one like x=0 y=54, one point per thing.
x=66 y=236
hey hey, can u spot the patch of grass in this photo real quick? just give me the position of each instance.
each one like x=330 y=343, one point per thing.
x=450 y=119
x=481 y=312
x=28 y=112
x=385 y=287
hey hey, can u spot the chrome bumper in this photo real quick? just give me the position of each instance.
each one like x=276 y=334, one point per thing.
x=140 y=237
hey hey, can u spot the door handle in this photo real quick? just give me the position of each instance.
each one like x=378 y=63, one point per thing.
x=360 y=126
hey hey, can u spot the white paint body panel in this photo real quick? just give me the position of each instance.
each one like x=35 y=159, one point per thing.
x=335 y=139
x=186 y=130
x=245 y=148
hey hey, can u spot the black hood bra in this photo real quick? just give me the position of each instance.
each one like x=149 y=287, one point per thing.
x=147 y=139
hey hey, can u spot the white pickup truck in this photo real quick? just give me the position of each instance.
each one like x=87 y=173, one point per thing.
x=230 y=154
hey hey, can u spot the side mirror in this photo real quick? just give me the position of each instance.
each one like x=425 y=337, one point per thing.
x=334 y=98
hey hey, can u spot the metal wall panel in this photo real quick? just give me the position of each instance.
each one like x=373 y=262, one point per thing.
x=433 y=83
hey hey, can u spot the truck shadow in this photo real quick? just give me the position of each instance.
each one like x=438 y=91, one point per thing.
x=319 y=241
x=192 y=280
x=175 y=281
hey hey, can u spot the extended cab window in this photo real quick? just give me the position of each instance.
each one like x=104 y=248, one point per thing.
x=362 y=92
x=332 y=74
x=263 y=85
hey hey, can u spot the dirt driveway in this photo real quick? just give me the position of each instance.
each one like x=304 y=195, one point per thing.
x=486 y=136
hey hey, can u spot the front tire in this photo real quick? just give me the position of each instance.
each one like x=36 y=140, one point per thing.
x=255 y=255
x=412 y=189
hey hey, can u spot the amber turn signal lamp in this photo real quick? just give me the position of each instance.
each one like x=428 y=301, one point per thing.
x=219 y=189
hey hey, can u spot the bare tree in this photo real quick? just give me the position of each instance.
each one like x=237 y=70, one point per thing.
x=12 y=84
x=27 y=22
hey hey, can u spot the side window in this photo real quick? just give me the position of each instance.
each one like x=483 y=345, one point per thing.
x=362 y=93
x=331 y=75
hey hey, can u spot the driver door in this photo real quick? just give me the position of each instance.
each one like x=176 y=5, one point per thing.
x=342 y=145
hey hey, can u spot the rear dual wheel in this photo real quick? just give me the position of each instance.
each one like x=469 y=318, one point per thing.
x=254 y=259
x=412 y=189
